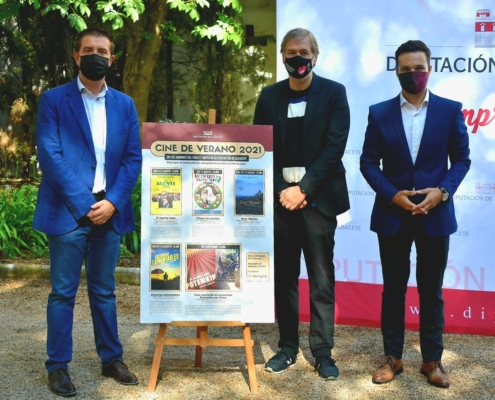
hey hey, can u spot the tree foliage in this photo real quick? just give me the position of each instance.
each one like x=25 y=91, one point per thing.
x=78 y=11
x=140 y=22
x=205 y=73
x=226 y=28
x=34 y=56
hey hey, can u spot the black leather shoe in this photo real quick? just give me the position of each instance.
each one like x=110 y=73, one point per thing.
x=61 y=384
x=119 y=371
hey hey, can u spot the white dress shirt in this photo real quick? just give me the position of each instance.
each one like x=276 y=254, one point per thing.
x=414 y=123
x=97 y=118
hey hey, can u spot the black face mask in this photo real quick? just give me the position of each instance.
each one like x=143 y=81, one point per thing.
x=298 y=67
x=94 y=67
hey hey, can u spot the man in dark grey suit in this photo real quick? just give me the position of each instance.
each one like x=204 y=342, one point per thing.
x=310 y=118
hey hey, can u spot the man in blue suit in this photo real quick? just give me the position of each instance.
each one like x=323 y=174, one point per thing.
x=89 y=150
x=414 y=136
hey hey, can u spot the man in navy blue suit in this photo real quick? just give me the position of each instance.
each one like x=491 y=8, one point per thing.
x=89 y=150
x=408 y=145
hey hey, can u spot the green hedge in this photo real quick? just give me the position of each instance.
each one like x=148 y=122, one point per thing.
x=19 y=239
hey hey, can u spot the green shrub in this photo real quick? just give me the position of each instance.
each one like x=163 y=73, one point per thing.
x=132 y=240
x=17 y=237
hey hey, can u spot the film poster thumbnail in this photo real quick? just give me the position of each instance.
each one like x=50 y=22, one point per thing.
x=166 y=190
x=249 y=192
x=165 y=266
x=207 y=191
x=213 y=267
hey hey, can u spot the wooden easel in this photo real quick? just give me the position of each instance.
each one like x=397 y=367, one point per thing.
x=202 y=340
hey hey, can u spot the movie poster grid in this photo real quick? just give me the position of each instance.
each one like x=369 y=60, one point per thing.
x=165 y=267
x=166 y=191
x=249 y=192
x=208 y=191
x=213 y=267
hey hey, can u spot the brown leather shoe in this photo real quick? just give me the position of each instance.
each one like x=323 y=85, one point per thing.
x=435 y=373
x=387 y=371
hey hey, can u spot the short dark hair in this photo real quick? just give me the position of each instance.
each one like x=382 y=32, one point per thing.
x=300 y=34
x=94 y=32
x=412 y=46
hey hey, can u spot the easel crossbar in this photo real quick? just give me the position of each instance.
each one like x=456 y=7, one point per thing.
x=210 y=342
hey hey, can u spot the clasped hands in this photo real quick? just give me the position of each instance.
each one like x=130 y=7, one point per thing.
x=101 y=212
x=292 y=198
x=433 y=197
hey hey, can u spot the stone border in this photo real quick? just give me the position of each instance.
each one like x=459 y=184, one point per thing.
x=131 y=276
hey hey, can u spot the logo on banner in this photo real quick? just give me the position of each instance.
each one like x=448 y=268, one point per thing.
x=484 y=31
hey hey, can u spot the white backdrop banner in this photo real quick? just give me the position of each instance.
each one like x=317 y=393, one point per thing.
x=357 y=42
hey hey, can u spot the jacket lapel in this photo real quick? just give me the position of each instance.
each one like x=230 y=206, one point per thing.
x=431 y=114
x=311 y=104
x=399 y=129
x=76 y=105
x=112 y=115
x=283 y=109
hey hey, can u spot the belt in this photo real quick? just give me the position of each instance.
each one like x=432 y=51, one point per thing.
x=99 y=196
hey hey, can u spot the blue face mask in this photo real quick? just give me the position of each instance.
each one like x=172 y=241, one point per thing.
x=298 y=67
x=94 y=67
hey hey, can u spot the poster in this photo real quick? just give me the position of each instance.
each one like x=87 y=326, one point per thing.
x=166 y=191
x=206 y=228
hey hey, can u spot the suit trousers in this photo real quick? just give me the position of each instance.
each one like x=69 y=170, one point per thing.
x=312 y=232
x=431 y=262
x=98 y=246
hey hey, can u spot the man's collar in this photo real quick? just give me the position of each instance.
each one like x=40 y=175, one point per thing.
x=425 y=101
x=81 y=87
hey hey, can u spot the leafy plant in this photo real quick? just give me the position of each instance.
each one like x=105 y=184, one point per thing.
x=132 y=240
x=16 y=215
x=17 y=237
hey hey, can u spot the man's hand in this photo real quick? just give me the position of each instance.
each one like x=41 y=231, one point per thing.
x=292 y=198
x=401 y=199
x=433 y=197
x=101 y=212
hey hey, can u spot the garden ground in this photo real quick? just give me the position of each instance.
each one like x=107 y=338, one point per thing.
x=469 y=360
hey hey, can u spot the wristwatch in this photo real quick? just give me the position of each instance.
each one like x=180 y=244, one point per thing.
x=445 y=194
x=302 y=190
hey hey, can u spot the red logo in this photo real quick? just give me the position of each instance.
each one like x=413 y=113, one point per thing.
x=302 y=70
x=484 y=29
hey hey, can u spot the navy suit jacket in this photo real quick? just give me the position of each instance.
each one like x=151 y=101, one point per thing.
x=445 y=139
x=326 y=128
x=67 y=158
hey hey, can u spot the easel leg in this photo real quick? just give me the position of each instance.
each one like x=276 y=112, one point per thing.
x=159 y=342
x=201 y=333
x=246 y=330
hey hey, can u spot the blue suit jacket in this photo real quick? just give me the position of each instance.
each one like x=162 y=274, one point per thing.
x=445 y=139
x=67 y=158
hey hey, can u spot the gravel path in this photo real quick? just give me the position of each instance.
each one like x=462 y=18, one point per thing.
x=469 y=360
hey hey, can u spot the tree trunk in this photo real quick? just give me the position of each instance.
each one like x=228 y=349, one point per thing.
x=170 y=79
x=143 y=39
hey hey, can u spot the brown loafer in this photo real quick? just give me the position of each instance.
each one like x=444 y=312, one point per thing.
x=435 y=373
x=390 y=367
